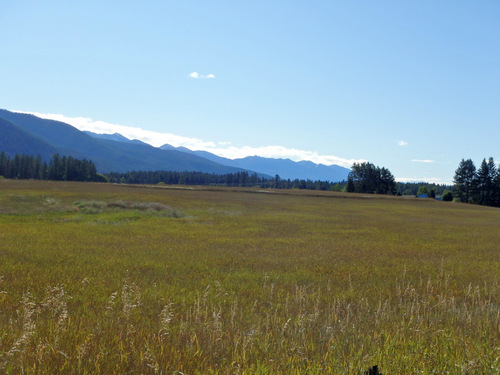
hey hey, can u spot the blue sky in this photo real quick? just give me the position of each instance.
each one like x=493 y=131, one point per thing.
x=410 y=86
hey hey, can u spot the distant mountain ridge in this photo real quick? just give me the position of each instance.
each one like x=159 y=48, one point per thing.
x=285 y=168
x=25 y=133
x=114 y=137
x=108 y=155
x=13 y=140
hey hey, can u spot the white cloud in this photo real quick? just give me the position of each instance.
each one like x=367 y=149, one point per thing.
x=402 y=143
x=198 y=75
x=422 y=161
x=153 y=138
x=280 y=152
x=224 y=149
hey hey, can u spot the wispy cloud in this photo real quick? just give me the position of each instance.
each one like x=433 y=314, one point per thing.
x=280 y=152
x=402 y=143
x=221 y=148
x=422 y=161
x=155 y=139
x=202 y=76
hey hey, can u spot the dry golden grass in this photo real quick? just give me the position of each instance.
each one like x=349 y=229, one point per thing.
x=113 y=279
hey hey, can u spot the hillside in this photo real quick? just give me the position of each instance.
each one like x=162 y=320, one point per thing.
x=14 y=140
x=108 y=155
x=25 y=133
x=285 y=168
x=114 y=137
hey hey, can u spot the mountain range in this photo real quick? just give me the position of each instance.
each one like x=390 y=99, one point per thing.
x=22 y=133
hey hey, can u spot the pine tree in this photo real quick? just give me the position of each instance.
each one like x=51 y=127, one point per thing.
x=55 y=168
x=493 y=176
x=367 y=178
x=496 y=189
x=387 y=183
x=3 y=164
x=464 y=180
x=485 y=180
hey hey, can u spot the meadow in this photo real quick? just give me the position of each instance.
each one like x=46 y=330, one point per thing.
x=119 y=279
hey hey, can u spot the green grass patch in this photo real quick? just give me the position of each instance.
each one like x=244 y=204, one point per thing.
x=112 y=279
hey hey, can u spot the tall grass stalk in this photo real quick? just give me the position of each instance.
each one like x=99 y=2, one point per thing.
x=243 y=282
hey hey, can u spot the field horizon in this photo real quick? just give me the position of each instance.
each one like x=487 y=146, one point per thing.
x=115 y=279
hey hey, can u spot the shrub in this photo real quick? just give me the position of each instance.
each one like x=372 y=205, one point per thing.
x=447 y=196
x=96 y=207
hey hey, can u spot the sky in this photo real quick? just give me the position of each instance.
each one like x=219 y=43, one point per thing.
x=412 y=86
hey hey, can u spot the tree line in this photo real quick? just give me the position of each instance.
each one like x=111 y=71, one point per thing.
x=241 y=179
x=65 y=168
x=432 y=190
x=364 y=177
x=184 y=178
x=245 y=179
x=478 y=186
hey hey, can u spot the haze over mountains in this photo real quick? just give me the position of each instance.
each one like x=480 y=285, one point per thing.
x=285 y=168
x=28 y=134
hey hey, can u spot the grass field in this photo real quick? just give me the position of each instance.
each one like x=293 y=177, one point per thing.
x=114 y=279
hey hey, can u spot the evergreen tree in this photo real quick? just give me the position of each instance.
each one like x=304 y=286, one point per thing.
x=484 y=183
x=492 y=178
x=60 y=168
x=464 y=180
x=3 y=164
x=387 y=183
x=432 y=193
x=496 y=189
x=367 y=178
x=37 y=173
x=55 y=168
